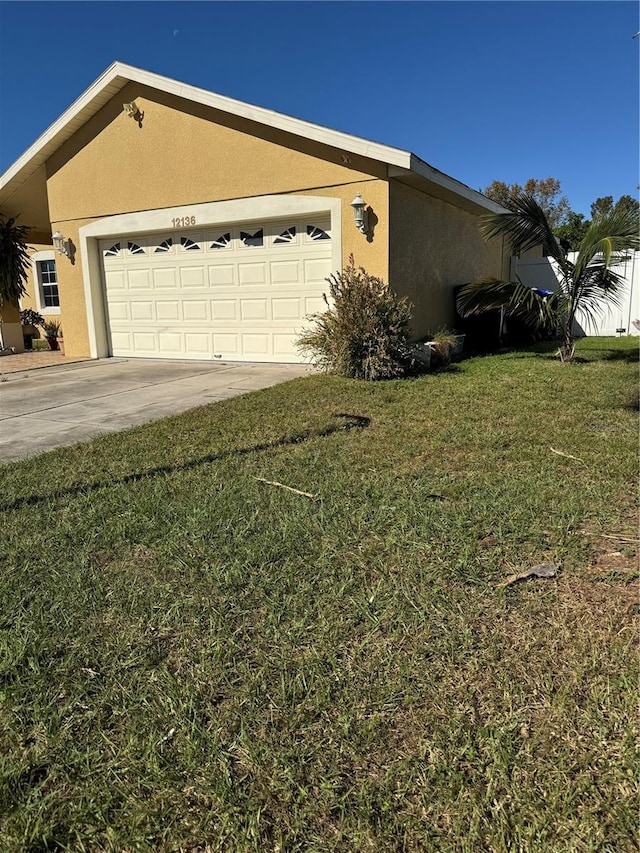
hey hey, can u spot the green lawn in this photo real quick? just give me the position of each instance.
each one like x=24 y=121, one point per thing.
x=194 y=660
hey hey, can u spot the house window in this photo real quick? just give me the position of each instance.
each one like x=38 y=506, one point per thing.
x=48 y=283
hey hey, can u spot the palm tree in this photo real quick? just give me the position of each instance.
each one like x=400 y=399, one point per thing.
x=14 y=263
x=14 y=260
x=584 y=284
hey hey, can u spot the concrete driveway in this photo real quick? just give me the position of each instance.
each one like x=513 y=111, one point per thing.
x=56 y=406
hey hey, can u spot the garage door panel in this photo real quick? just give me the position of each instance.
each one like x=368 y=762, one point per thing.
x=168 y=310
x=139 y=279
x=142 y=310
x=144 y=342
x=119 y=311
x=229 y=344
x=222 y=276
x=121 y=341
x=192 y=276
x=115 y=280
x=314 y=305
x=285 y=272
x=284 y=348
x=252 y=275
x=198 y=343
x=167 y=277
x=316 y=270
x=195 y=309
x=231 y=292
x=254 y=309
x=170 y=342
x=256 y=345
x=286 y=309
x=224 y=309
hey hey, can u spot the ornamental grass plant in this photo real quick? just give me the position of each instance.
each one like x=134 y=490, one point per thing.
x=364 y=332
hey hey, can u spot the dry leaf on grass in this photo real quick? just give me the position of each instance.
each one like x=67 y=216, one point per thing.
x=542 y=570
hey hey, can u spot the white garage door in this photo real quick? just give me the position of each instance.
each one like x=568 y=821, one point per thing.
x=237 y=293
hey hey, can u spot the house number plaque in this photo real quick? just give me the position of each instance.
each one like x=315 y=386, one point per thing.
x=180 y=221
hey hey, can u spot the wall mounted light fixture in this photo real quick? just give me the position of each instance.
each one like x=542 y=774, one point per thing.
x=62 y=244
x=133 y=111
x=360 y=215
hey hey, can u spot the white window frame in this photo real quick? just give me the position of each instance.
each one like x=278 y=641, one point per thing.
x=45 y=255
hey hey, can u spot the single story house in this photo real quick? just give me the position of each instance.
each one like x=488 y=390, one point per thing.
x=171 y=222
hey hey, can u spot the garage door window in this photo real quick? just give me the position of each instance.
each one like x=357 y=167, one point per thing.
x=221 y=242
x=165 y=246
x=189 y=244
x=255 y=240
x=287 y=236
x=315 y=233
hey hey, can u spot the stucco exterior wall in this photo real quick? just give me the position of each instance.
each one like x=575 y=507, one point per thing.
x=434 y=248
x=187 y=154
x=184 y=154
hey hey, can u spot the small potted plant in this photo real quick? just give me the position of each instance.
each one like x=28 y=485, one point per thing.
x=443 y=344
x=30 y=321
x=53 y=334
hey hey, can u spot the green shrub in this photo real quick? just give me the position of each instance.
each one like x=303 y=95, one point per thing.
x=29 y=317
x=364 y=332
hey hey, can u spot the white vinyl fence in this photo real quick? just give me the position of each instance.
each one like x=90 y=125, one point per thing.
x=613 y=320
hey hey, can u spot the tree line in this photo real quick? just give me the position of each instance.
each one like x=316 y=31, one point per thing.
x=567 y=225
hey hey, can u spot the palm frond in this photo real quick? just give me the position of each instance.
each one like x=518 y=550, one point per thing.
x=534 y=307
x=598 y=283
x=14 y=260
x=608 y=239
x=524 y=227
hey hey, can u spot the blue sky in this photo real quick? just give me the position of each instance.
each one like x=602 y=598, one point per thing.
x=480 y=90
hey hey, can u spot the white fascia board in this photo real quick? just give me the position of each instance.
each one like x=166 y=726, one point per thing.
x=426 y=171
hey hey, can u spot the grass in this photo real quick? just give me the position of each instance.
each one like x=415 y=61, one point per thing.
x=194 y=660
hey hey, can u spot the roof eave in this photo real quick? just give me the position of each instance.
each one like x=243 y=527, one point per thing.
x=472 y=198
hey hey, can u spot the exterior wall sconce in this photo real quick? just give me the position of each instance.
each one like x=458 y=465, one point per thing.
x=133 y=111
x=360 y=215
x=62 y=244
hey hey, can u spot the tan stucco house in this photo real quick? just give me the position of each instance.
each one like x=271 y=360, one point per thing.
x=196 y=226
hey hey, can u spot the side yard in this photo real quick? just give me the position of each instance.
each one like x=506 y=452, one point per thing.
x=194 y=659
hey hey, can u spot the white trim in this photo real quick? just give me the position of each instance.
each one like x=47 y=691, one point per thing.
x=446 y=182
x=207 y=214
x=36 y=257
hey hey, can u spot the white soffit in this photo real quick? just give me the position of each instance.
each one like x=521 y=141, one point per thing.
x=118 y=75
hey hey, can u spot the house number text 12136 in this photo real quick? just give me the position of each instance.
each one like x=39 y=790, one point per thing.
x=179 y=221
